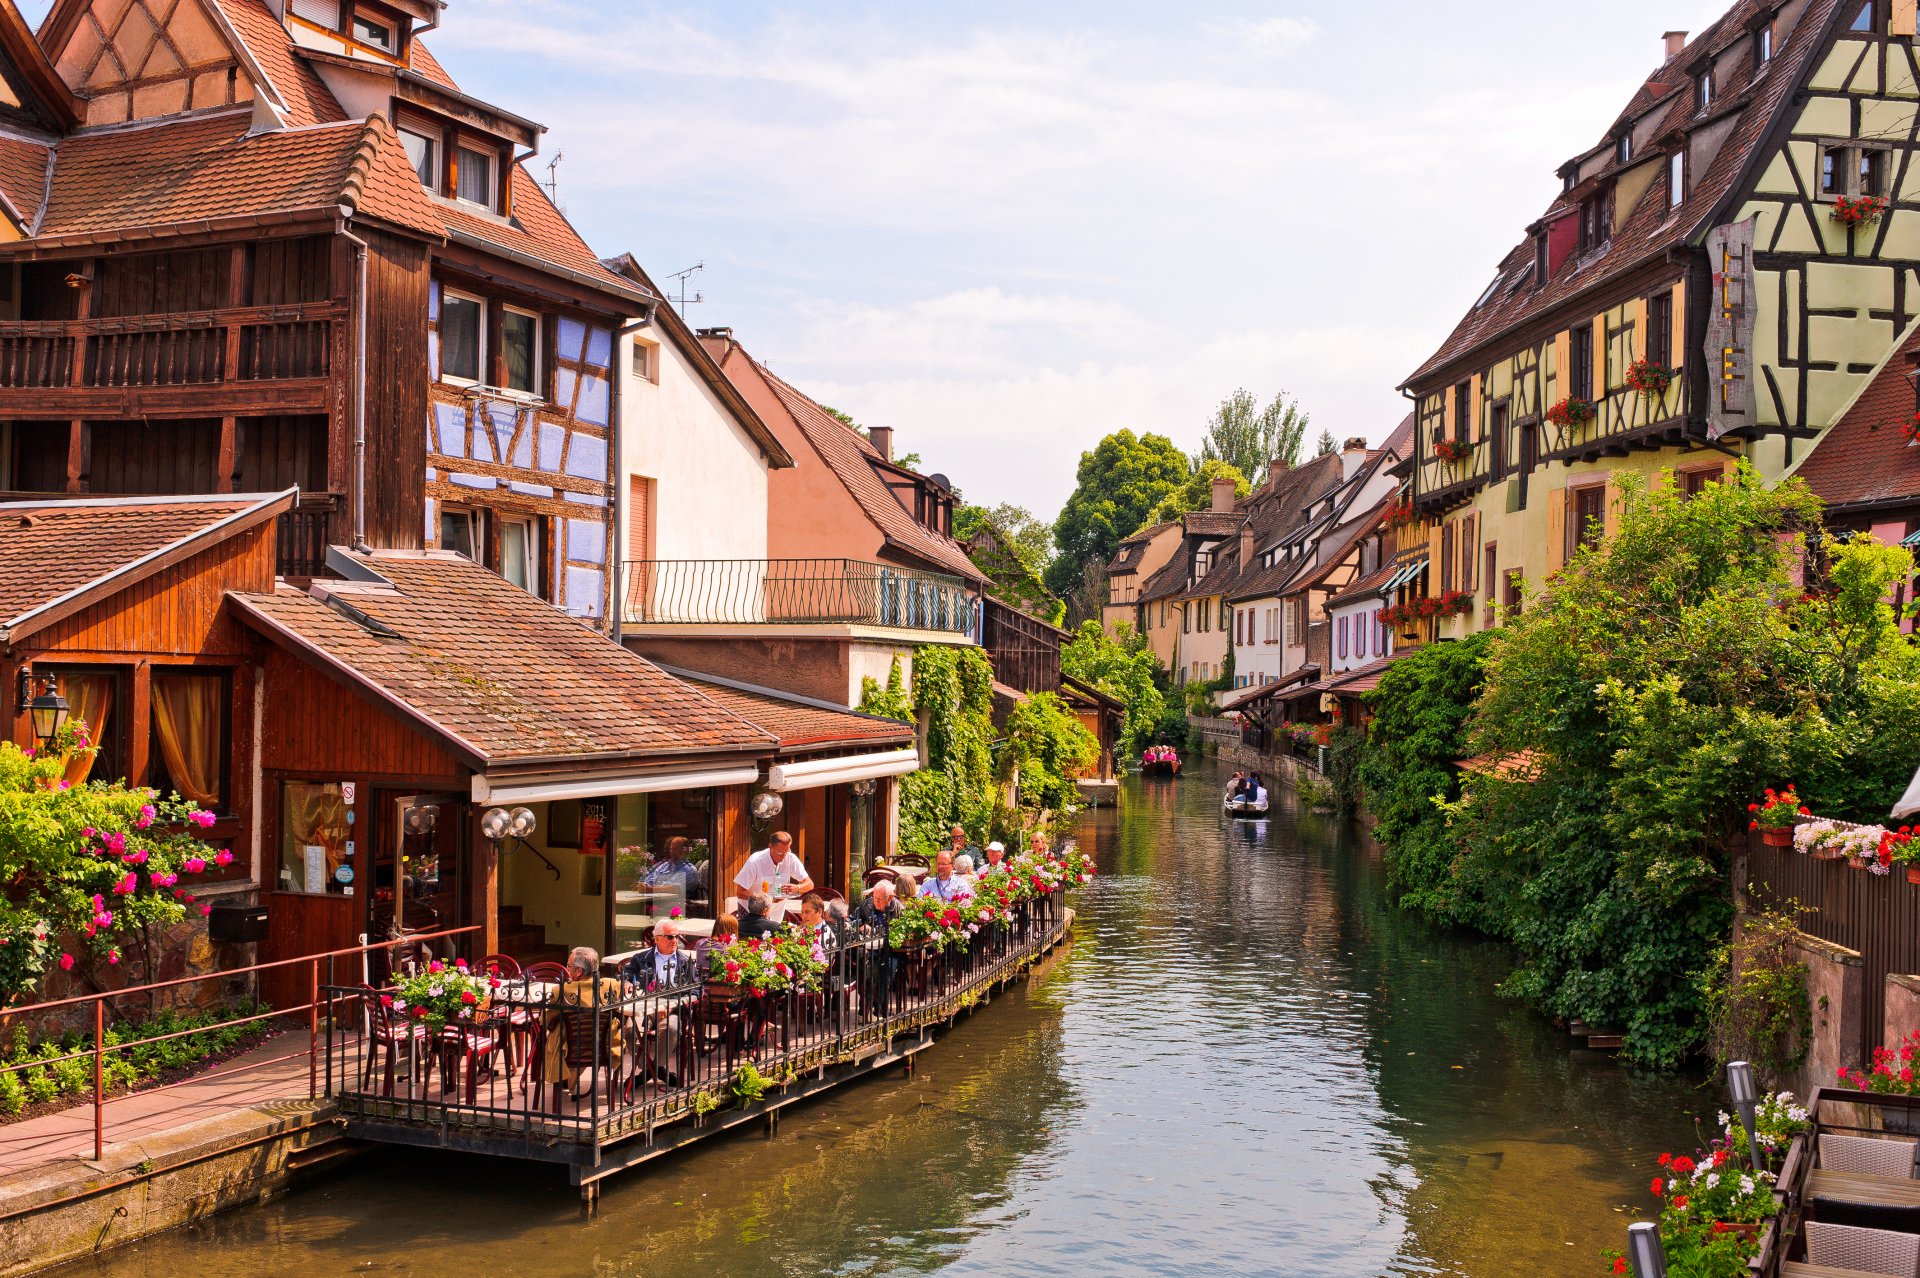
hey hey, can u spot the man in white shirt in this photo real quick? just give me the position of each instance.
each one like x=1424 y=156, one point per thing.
x=776 y=871
x=943 y=884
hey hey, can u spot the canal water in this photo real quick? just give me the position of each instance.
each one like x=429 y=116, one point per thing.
x=1247 y=1063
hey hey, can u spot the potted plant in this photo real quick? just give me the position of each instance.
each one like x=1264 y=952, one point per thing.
x=1452 y=451
x=1861 y=210
x=1649 y=377
x=438 y=995
x=1400 y=512
x=759 y=966
x=1890 y=1074
x=1911 y=431
x=1775 y=817
x=1572 y=412
x=1898 y=846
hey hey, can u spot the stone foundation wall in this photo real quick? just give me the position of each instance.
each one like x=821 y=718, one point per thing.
x=178 y=951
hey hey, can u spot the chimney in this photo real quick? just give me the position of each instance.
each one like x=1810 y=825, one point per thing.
x=1676 y=41
x=882 y=437
x=1222 y=494
x=1246 y=545
x=1353 y=455
x=1277 y=470
x=1354 y=445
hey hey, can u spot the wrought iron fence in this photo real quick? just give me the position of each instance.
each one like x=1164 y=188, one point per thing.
x=555 y=1070
x=794 y=592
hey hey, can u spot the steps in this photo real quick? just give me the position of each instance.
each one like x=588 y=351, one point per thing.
x=524 y=941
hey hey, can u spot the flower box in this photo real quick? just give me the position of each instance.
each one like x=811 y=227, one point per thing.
x=1452 y=451
x=1862 y=210
x=723 y=991
x=1782 y=837
x=1649 y=378
x=1572 y=412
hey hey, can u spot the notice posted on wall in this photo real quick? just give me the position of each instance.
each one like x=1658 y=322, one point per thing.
x=316 y=867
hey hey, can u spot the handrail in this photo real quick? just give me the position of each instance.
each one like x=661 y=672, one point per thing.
x=174 y=321
x=101 y=1048
x=794 y=592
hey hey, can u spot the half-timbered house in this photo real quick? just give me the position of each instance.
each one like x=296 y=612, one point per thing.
x=1722 y=274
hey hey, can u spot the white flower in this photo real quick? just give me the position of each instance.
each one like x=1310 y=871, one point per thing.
x=435 y=990
x=1724 y=1120
x=1713 y=1178
x=466 y=1012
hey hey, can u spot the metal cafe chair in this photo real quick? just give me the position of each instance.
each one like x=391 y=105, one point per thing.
x=1873 y=1251
x=386 y=1038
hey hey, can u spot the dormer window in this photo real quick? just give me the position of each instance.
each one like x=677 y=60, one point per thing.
x=423 y=153
x=1676 y=179
x=474 y=177
x=370 y=30
x=1570 y=179
x=1539 y=259
x=1703 y=90
x=1623 y=148
x=1596 y=222
x=1762 y=46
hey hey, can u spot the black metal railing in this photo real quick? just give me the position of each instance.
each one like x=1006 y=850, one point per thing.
x=793 y=592
x=555 y=1072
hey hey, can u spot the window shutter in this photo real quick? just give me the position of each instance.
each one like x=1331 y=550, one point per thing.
x=1562 y=367
x=1637 y=316
x=1556 y=529
x=1901 y=18
x=1469 y=549
x=1610 y=512
x=1603 y=370
x=1677 y=326
x=639 y=517
x=1446 y=555
x=1474 y=412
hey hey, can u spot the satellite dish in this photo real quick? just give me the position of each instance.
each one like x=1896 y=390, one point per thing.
x=940 y=481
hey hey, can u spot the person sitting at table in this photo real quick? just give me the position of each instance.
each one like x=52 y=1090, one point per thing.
x=725 y=929
x=570 y=1064
x=837 y=920
x=873 y=918
x=996 y=859
x=813 y=925
x=957 y=840
x=963 y=870
x=775 y=870
x=941 y=884
x=658 y=970
x=759 y=921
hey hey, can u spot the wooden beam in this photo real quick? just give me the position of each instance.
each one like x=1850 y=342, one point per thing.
x=229 y=455
x=78 y=439
x=211 y=399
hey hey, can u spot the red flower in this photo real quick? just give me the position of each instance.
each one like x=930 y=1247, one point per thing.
x=1679 y=1200
x=1619 y=1264
x=1683 y=1165
x=1665 y=1160
x=469 y=997
x=1656 y=1186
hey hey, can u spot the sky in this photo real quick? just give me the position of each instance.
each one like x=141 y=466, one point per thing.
x=1006 y=229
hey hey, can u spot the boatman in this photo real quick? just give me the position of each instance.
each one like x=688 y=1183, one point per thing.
x=1233 y=786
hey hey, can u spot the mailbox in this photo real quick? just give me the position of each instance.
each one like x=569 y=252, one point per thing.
x=234 y=922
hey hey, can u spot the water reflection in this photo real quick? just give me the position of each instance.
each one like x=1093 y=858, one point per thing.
x=1247 y=1063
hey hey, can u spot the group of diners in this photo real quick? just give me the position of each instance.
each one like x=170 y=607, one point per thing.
x=772 y=881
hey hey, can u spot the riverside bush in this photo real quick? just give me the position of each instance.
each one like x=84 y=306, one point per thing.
x=1664 y=676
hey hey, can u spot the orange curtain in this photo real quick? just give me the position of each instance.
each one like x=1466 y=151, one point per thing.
x=186 y=721
x=90 y=700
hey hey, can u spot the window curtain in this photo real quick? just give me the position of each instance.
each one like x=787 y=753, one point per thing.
x=186 y=722
x=90 y=700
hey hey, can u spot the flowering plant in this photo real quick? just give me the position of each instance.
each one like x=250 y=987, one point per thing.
x=767 y=965
x=928 y=921
x=1911 y=431
x=1891 y=1073
x=1572 y=412
x=1711 y=1203
x=1649 y=377
x=1780 y=810
x=1898 y=845
x=1862 y=210
x=439 y=994
x=1864 y=845
x=1400 y=512
x=1452 y=451
x=1452 y=602
x=1777 y=1119
x=85 y=866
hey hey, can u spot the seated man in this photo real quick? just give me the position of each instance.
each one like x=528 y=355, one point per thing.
x=838 y=921
x=941 y=884
x=664 y=967
x=813 y=925
x=873 y=918
x=996 y=859
x=1234 y=784
x=759 y=920
x=568 y=1061
x=673 y=872
x=957 y=840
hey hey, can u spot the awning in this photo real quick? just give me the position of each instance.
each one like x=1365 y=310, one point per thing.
x=599 y=785
x=811 y=774
x=1407 y=573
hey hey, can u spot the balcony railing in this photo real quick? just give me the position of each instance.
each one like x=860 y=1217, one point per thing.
x=793 y=592
x=47 y=363
x=302 y=535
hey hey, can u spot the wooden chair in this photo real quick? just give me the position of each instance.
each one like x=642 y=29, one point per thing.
x=576 y=1027
x=386 y=1036
x=504 y=966
x=1867 y=1155
x=910 y=858
x=1873 y=1251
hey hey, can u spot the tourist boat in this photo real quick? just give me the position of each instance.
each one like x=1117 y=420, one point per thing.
x=1246 y=807
x=1154 y=764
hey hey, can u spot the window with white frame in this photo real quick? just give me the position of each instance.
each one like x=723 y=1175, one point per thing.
x=474 y=181
x=1676 y=179
x=520 y=552
x=460 y=531
x=520 y=348
x=463 y=337
x=646 y=360
x=370 y=30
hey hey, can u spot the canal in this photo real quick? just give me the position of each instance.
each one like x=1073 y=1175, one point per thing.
x=1247 y=1062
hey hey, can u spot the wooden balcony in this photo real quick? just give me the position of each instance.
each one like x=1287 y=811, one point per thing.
x=302 y=535
x=241 y=361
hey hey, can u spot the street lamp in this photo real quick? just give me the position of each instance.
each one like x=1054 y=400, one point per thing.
x=47 y=712
x=1745 y=1097
x=497 y=824
x=1644 y=1252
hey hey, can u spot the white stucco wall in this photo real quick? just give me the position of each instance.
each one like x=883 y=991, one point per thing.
x=1362 y=618
x=710 y=478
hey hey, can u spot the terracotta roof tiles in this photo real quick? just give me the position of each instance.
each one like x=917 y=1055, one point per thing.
x=537 y=229
x=306 y=95
x=797 y=724
x=23 y=176
x=492 y=667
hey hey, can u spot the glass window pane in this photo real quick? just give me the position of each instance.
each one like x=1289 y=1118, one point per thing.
x=460 y=337
x=476 y=177
x=1863 y=20
x=519 y=559
x=456 y=532
x=519 y=337
x=420 y=152
x=313 y=838
x=377 y=34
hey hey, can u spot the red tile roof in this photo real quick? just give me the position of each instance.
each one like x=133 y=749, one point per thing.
x=293 y=78
x=429 y=66
x=1650 y=229
x=63 y=551
x=23 y=176
x=537 y=229
x=203 y=167
x=491 y=669
x=1866 y=456
x=797 y=723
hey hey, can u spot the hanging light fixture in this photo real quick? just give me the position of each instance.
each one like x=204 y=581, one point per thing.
x=47 y=712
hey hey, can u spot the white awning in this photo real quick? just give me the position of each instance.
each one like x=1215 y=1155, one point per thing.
x=1910 y=801
x=811 y=774
x=598 y=785
x=1407 y=573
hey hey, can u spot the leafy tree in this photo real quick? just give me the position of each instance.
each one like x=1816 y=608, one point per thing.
x=1048 y=747
x=1667 y=675
x=1118 y=482
x=1017 y=526
x=1197 y=492
x=1249 y=437
x=1328 y=445
x=1120 y=664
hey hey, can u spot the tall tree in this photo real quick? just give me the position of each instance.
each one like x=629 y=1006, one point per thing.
x=1119 y=481
x=1250 y=437
x=1017 y=525
x=1197 y=492
x=1328 y=444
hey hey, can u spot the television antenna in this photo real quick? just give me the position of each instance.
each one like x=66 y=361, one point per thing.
x=553 y=179
x=681 y=277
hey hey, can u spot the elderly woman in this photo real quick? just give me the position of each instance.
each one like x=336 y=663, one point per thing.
x=726 y=929
x=963 y=869
x=569 y=1060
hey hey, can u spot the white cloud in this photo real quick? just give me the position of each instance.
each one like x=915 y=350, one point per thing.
x=1268 y=35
